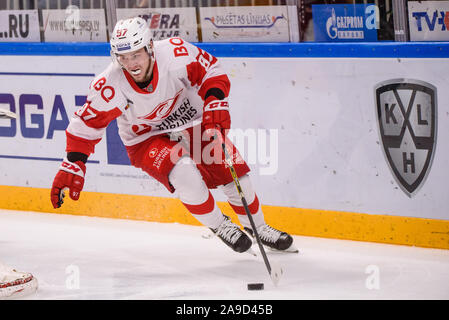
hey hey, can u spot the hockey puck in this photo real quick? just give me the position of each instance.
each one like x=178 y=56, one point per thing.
x=255 y=286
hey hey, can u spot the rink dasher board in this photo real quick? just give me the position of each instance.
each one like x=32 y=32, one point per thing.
x=318 y=118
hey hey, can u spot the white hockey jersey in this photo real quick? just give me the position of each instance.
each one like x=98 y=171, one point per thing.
x=182 y=74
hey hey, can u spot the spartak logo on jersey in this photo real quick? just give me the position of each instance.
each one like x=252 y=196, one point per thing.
x=407 y=118
x=162 y=110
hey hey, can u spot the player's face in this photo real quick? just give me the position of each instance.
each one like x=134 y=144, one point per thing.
x=136 y=63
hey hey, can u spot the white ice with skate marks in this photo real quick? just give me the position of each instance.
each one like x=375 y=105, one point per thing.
x=76 y=257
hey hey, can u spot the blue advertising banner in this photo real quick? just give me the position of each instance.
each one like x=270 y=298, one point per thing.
x=345 y=22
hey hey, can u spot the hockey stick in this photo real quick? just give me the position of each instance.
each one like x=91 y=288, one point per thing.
x=5 y=114
x=275 y=271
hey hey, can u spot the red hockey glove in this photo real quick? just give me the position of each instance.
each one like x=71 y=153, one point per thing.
x=216 y=114
x=71 y=176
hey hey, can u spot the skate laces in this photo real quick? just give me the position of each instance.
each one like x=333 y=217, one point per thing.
x=269 y=234
x=228 y=231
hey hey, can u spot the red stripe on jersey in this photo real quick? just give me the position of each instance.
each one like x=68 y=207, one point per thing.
x=203 y=208
x=153 y=82
x=195 y=73
x=221 y=82
x=198 y=69
x=77 y=144
x=253 y=207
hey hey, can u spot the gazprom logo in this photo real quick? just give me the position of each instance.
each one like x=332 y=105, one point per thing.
x=331 y=25
x=341 y=22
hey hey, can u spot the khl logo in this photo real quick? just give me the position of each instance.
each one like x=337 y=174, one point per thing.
x=407 y=118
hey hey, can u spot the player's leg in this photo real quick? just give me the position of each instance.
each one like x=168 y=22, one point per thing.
x=159 y=158
x=196 y=197
x=217 y=174
x=269 y=236
x=15 y=284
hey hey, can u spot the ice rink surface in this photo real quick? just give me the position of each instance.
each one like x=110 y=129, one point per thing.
x=77 y=257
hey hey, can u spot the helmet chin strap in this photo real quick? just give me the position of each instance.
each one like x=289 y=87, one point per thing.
x=150 y=68
x=149 y=49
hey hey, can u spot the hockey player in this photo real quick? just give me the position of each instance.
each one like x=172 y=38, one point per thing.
x=13 y=283
x=169 y=98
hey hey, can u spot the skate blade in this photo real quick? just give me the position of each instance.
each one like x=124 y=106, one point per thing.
x=291 y=249
x=210 y=235
x=251 y=252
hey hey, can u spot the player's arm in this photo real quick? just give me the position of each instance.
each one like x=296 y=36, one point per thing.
x=206 y=74
x=85 y=130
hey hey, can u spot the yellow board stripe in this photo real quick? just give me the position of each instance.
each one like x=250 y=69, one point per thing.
x=420 y=232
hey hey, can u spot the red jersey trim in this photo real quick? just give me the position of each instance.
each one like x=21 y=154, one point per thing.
x=78 y=144
x=221 y=82
x=153 y=82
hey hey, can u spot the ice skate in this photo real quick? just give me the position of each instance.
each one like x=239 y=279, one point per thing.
x=274 y=239
x=233 y=236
